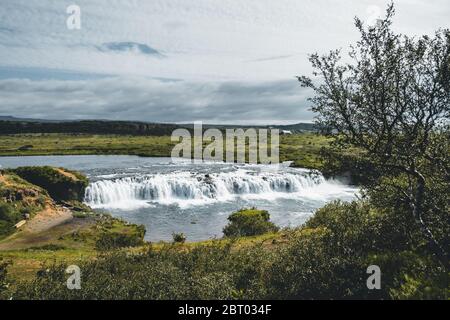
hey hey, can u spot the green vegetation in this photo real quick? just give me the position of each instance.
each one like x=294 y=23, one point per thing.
x=391 y=102
x=61 y=184
x=82 y=236
x=12 y=125
x=304 y=149
x=327 y=258
x=18 y=199
x=249 y=222
x=48 y=247
x=179 y=238
x=116 y=234
x=82 y=144
x=3 y=273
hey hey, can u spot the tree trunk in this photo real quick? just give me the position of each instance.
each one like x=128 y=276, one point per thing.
x=417 y=210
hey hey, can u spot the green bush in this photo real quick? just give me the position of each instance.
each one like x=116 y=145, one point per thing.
x=115 y=240
x=7 y=213
x=9 y=216
x=6 y=228
x=359 y=228
x=178 y=237
x=249 y=222
x=60 y=186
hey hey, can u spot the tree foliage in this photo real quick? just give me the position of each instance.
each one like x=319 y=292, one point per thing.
x=392 y=102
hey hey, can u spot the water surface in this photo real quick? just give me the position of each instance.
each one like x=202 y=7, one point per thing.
x=195 y=199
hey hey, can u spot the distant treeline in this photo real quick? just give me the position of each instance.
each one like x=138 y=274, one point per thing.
x=88 y=126
x=118 y=127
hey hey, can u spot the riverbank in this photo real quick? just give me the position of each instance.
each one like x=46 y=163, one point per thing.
x=44 y=222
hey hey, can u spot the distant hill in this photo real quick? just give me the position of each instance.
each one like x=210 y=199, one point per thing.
x=12 y=125
x=294 y=128
x=298 y=127
x=9 y=118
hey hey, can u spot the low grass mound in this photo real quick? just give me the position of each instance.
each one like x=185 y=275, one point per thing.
x=61 y=184
x=249 y=222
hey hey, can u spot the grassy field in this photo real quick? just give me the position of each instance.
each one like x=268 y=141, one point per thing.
x=63 y=248
x=81 y=144
x=303 y=149
x=71 y=242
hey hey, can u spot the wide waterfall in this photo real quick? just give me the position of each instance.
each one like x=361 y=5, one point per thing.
x=190 y=187
x=167 y=195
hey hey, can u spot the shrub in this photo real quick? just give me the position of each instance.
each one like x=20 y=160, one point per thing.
x=7 y=213
x=3 y=274
x=6 y=228
x=8 y=217
x=114 y=240
x=359 y=228
x=178 y=237
x=249 y=222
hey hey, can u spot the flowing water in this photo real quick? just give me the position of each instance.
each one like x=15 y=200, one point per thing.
x=194 y=198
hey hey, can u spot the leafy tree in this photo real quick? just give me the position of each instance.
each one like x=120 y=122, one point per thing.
x=392 y=102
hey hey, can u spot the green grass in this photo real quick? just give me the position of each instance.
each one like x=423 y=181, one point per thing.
x=303 y=149
x=325 y=259
x=82 y=144
x=69 y=243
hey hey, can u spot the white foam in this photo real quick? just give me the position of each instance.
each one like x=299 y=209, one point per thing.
x=184 y=188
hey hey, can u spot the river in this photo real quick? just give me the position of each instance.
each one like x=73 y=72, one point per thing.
x=194 y=198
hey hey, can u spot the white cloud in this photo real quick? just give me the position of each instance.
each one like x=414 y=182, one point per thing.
x=203 y=39
x=208 y=45
x=137 y=98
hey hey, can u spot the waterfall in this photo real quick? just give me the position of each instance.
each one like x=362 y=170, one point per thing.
x=185 y=186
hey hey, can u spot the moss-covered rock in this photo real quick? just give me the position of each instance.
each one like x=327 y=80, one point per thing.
x=249 y=222
x=61 y=184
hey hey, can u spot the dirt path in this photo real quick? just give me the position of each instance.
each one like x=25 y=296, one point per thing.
x=38 y=229
x=47 y=219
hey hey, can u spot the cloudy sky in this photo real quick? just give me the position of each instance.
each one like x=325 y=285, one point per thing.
x=219 y=61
